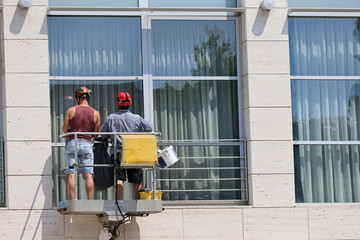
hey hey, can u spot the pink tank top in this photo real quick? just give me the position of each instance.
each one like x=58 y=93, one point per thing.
x=83 y=121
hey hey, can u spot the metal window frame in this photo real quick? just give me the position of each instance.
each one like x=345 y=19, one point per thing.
x=314 y=12
x=2 y=176
x=324 y=77
x=326 y=143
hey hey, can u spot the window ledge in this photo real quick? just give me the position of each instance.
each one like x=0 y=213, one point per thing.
x=324 y=12
x=150 y=9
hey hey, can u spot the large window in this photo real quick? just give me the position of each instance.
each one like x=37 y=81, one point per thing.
x=325 y=67
x=199 y=108
x=103 y=54
x=189 y=72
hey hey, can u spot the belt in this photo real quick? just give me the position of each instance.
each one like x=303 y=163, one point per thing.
x=84 y=139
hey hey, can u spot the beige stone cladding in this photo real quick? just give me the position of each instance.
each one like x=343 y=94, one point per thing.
x=267 y=100
x=29 y=212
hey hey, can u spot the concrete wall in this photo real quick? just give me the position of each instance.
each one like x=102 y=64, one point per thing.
x=272 y=213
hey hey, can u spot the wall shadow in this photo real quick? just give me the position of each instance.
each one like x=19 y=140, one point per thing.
x=18 y=20
x=132 y=230
x=44 y=219
x=260 y=22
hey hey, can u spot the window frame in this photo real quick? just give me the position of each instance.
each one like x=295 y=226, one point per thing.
x=323 y=13
x=147 y=77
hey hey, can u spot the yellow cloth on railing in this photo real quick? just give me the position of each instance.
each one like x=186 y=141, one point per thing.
x=139 y=150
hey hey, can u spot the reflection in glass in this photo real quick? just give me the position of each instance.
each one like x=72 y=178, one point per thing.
x=324 y=46
x=95 y=46
x=103 y=100
x=199 y=110
x=326 y=110
x=193 y=48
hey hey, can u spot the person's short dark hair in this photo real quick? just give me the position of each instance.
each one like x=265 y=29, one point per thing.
x=124 y=107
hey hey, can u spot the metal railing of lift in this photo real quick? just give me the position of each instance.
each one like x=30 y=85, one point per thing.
x=76 y=165
x=185 y=143
x=242 y=168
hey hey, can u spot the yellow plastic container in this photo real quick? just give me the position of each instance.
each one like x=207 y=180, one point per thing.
x=150 y=195
x=139 y=150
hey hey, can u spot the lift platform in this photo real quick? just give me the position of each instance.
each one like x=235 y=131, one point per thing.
x=107 y=209
x=139 y=150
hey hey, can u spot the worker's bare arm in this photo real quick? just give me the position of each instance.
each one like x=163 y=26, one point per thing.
x=97 y=122
x=69 y=115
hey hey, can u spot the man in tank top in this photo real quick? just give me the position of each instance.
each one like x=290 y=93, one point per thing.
x=81 y=118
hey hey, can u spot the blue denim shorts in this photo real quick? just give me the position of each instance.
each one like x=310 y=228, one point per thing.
x=84 y=153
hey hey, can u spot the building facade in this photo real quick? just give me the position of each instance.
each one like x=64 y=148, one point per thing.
x=260 y=104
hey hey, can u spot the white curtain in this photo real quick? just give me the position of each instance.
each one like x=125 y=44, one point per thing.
x=326 y=110
x=199 y=110
x=95 y=46
x=324 y=46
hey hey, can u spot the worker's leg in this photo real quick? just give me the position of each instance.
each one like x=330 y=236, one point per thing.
x=86 y=157
x=71 y=186
x=70 y=172
x=137 y=187
x=89 y=184
x=120 y=189
x=135 y=177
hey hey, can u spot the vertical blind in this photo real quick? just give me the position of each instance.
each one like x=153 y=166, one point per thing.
x=326 y=110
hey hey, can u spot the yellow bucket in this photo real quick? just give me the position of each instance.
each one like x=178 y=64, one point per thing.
x=150 y=195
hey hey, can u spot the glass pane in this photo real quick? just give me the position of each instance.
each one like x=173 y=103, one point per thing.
x=190 y=3
x=188 y=110
x=324 y=46
x=94 y=3
x=200 y=110
x=193 y=48
x=95 y=46
x=326 y=110
x=324 y=3
x=327 y=173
